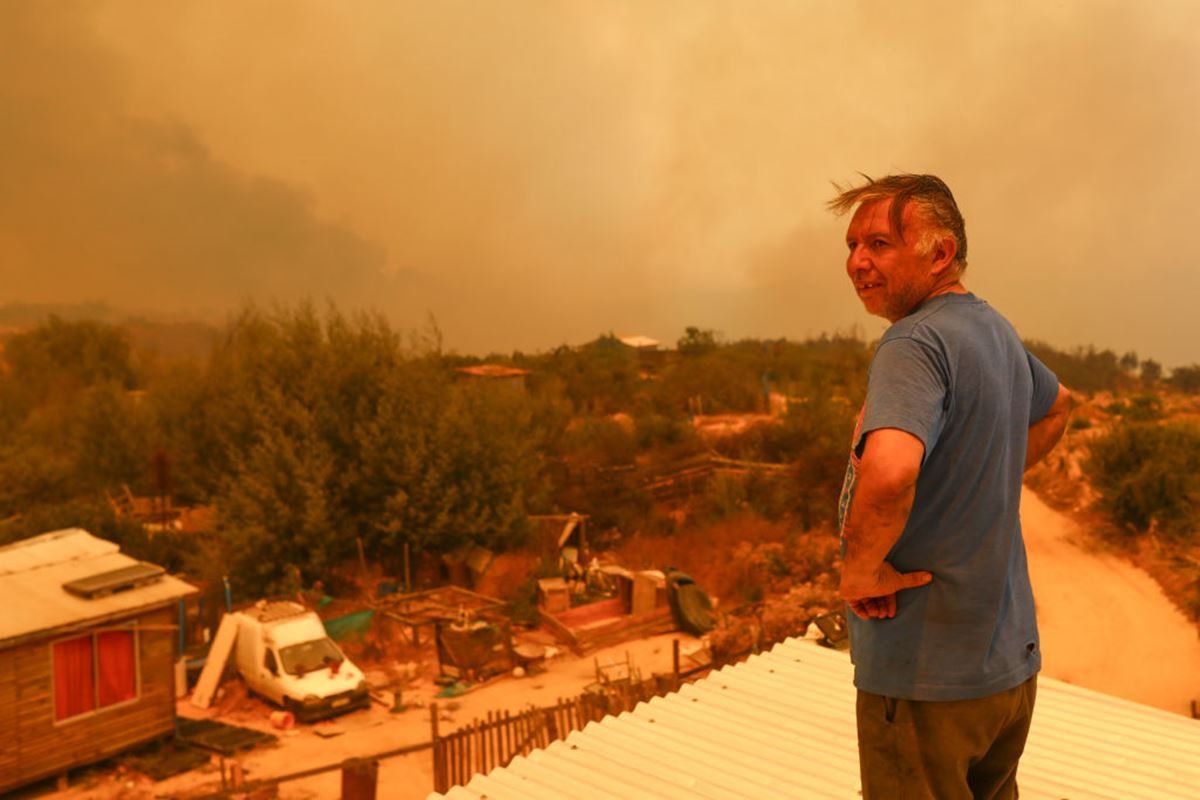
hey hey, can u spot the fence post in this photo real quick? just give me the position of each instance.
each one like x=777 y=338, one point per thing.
x=675 y=661
x=439 y=752
x=360 y=777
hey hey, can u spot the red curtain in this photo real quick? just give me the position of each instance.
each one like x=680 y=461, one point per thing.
x=74 y=692
x=117 y=667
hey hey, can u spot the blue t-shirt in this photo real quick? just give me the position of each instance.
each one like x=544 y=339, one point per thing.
x=954 y=374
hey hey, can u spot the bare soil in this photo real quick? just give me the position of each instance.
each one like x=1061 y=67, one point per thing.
x=1105 y=623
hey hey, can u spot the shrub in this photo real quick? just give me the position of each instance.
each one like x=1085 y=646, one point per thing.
x=1148 y=475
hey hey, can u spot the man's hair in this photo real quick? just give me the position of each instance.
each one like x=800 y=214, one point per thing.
x=930 y=195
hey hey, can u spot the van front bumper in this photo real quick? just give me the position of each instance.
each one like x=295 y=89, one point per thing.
x=321 y=707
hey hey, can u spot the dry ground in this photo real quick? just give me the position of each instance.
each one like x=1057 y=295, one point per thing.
x=1106 y=624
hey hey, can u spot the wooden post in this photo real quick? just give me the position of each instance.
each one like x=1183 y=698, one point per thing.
x=360 y=777
x=407 y=577
x=493 y=729
x=675 y=661
x=362 y=556
x=439 y=751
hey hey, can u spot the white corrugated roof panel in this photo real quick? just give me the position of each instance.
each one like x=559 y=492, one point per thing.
x=33 y=571
x=72 y=544
x=781 y=724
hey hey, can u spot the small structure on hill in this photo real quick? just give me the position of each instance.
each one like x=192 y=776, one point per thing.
x=495 y=374
x=87 y=654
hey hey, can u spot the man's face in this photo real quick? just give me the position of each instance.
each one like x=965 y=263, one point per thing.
x=890 y=274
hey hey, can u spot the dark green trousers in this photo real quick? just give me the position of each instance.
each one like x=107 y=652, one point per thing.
x=944 y=750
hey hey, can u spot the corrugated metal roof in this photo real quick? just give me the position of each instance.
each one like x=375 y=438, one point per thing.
x=781 y=724
x=33 y=571
x=56 y=547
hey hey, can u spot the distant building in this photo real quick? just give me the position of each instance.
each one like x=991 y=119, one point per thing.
x=650 y=356
x=88 y=645
x=495 y=373
x=639 y=342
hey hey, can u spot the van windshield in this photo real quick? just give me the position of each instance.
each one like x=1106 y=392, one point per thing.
x=301 y=658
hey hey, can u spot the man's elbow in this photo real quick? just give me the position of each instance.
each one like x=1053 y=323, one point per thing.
x=1064 y=402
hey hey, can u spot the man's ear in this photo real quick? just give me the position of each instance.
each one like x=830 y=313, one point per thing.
x=945 y=250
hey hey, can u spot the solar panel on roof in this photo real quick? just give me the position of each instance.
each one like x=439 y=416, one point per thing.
x=117 y=580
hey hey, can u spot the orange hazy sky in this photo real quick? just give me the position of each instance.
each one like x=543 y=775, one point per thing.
x=534 y=172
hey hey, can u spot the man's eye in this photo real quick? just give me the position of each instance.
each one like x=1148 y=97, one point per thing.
x=878 y=243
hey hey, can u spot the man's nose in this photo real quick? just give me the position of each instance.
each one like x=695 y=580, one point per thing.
x=857 y=260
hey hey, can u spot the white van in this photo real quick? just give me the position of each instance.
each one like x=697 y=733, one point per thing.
x=285 y=655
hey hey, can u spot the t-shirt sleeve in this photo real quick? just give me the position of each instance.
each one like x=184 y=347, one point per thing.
x=1045 y=388
x=906 y=389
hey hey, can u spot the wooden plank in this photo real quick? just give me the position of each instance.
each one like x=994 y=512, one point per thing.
x=561 y=632
x=222 y=646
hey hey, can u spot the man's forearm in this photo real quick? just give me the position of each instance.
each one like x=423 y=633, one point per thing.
x=1046 y=432
x=877 y=518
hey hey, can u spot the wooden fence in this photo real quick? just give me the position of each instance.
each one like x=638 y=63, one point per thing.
x=691 y=476
x=496 y=740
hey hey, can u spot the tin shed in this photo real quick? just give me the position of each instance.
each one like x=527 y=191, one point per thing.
x=87 y=653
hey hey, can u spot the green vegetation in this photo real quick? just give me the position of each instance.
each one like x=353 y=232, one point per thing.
x=1186 y=379
x=1148 y=476
x=311 y=431
x=1086 y=369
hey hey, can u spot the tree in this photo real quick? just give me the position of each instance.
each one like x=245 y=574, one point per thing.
x=1186 y=379
x=1151 y=372
x=697 y=342
x=274 y=505
x=1084 y=369
x=451 y=463
x=59 y=358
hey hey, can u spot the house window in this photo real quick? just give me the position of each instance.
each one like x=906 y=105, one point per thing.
x=94 y=671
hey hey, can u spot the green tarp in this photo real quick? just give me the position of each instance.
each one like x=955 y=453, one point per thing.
x=351 y=626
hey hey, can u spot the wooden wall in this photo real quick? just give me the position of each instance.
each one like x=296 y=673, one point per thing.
x=32 y=746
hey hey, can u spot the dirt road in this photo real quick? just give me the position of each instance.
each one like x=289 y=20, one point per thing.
x=1105 y=624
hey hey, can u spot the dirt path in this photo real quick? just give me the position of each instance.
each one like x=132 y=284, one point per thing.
x=1105 y=624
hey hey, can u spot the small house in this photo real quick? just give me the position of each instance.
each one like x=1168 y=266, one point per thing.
x=88 y=645
x=497 y=375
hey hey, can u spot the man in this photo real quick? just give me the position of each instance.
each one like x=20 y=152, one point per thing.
x=943 y=635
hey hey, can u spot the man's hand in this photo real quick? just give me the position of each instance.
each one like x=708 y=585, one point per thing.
x=873 y=596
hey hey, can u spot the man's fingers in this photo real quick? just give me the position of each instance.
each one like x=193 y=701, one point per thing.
x=911 y=580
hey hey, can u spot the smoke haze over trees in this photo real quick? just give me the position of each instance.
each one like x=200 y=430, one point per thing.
x=532 y=173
